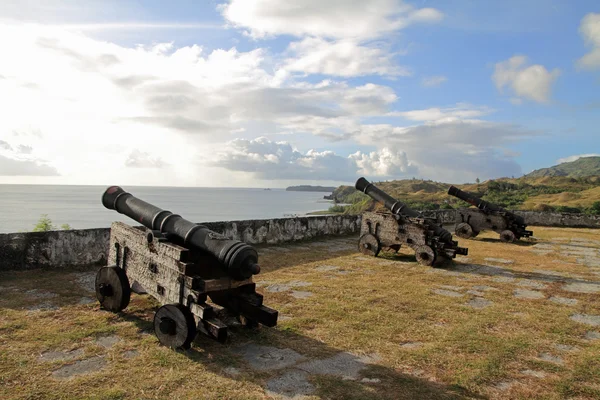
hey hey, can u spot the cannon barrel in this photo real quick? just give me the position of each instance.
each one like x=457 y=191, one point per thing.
x=482 y=204
x=397 y=207
x=239 y=259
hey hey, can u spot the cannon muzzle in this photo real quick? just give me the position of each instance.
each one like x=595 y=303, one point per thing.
x=239 y=259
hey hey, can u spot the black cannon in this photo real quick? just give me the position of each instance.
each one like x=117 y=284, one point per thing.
x=401 y=225
x=181 y=264
x=487 y=216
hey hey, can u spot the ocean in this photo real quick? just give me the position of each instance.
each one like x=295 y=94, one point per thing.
x=80 y=206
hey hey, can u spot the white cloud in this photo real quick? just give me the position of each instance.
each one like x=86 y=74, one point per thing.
x=17 y=159
x=99 y=107
x=460 y=111
x=576 y=157
x=532 y=82
x=590 y=30
x=433 y=81
x=330 y=19
x=345 y=58
x=266 y=159
x=140 y=159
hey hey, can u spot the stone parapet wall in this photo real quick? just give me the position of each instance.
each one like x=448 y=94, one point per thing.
x=534 y=218
x=89 y=247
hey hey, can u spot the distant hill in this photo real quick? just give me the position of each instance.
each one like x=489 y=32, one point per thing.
x=548 y=193
x=586 y=166
x=309 y=188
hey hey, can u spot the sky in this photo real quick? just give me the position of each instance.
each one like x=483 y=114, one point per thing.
x=266 y=93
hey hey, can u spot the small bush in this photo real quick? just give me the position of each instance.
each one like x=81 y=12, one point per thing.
x=337 y=209
x=44 y=224
x=565 y=209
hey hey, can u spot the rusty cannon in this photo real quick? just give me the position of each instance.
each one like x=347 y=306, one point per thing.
x=399 y=225
x=487 y=216
x=200 y=277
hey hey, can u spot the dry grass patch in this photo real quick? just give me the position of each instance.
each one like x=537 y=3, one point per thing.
x=380 y=328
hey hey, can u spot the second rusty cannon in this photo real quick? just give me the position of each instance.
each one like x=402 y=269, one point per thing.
x=401 y=226
x=487 y=216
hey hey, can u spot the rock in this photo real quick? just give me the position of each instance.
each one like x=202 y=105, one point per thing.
x=61 y=355
x=290 y=385
x=45 y=306
x=476 y=293
x=411 y=345
x=266 y=358
x=535 y=374
x=582 y=287
x=593 y=320
x=563 y=300
x=299 y=284
x=343 y=365
x=86 y=300
x=499 y=260
x=479 y=303
x=107 y=341
x=550 y=358
x=301 y=295
x=327 y=268
x=447 y=293
x=592 y=335
x=565 y=347
x=367 y=380
x=40 y=294
x=277 y=287
x=503 y=279
x=130 y=354
x=528 y=294
x=532 y=284
x=483 y=288
x=231 y=371
x=450 y=287
x=281 y=318
x=86 y=281
x=80 y=367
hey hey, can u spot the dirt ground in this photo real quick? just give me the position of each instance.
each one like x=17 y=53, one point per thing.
x=508 y=321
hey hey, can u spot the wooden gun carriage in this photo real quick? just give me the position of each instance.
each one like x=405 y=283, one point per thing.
x=183 y=266
x=487 y=216
x=389 y=230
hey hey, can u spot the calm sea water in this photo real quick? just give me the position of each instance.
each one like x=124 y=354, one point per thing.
x=79 y=206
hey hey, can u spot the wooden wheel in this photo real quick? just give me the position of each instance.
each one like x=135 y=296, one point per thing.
x=369 y=245
x=507 y=236
x=464 y=230
x=175 y=326
x=425 y=255
x=112 y=288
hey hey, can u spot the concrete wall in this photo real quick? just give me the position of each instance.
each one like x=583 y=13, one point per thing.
x=89 y=247
x=57 y=249
x=535 y=218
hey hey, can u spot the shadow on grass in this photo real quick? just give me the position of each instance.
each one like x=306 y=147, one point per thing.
x=520 y=243
x=287 y=363
x=274 y=257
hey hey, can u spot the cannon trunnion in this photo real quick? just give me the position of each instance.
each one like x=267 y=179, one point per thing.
x=389 y=230
x=202 y=285
x=487 y=216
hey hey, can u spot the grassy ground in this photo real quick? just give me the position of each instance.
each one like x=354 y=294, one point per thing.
x=417 y=326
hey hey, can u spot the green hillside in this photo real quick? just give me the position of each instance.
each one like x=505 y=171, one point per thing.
x=586 y=166
x=550 y=193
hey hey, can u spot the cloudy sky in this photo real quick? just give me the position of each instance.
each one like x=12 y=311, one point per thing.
x=267 y=93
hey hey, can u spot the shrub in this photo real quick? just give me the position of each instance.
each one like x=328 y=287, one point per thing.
x=44 y=224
